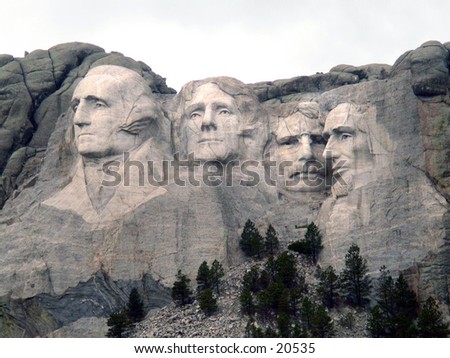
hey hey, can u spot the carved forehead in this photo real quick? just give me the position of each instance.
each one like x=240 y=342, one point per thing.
x=119 y=80
x=343 y=116
x=210 y=93
x=100 y=86
x=296 y=124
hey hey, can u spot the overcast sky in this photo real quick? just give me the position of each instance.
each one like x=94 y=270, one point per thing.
x=252 y=40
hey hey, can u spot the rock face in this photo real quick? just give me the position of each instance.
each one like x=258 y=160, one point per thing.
x=85 y=135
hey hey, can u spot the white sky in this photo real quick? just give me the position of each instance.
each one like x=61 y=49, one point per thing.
x=252 y=40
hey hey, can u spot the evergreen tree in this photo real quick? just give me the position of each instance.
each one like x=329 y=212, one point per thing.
x=216 y=274
x=135 y=308
x=380 y=322
x=271 y=241
x=328 y=286
x=250 y=280
x=208 y=304
x=405 y=299
x=203 y=277
x=354 y=280
x=311 y=245
x=406 y=309
x=247 y=305
x=284 y=325
x=313 y=238
x=251 y=241
x=300 y=247
x=396 y=308
x=307 y=312
x=430 y=323
x=119 y=323
x=286 y=269
x=251 y=331
x=181 y=293
x=376 y=323
x=322 y=325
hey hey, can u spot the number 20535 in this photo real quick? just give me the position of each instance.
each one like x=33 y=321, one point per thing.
x=295 y=348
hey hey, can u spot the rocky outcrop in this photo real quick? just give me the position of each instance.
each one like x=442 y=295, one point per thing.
x=63 y=268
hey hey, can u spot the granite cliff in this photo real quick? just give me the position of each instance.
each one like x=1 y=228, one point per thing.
x=65 y=265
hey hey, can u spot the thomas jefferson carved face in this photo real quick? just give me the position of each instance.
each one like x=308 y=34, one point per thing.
x=211 y=129
x=299 y=147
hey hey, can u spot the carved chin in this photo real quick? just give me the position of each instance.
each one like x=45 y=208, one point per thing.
x=212 y=151
x=304 y=184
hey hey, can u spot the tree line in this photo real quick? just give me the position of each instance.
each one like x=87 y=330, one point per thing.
x=280 y=303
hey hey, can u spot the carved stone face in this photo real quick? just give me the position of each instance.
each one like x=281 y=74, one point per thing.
x=348 y=146
x=100 y=110
x=211 y=130
x=299 y=154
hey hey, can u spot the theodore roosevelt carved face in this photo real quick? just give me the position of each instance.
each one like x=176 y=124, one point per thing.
x=299 y=148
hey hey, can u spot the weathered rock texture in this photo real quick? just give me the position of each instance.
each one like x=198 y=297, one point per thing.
x=61 y=272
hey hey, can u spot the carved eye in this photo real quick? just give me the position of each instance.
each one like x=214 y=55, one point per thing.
x=99 y=104
x=224 y=112
x=75 y=106
x=195 y=115
x=291 y=141
x=345 y=136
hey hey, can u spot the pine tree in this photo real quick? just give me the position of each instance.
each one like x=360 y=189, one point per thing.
x=396 y=308
x=247 y=305
x=208 y=304
x=381 y=320
x=354 y=280
x=313 y=237
x=407 y=307
x=203 y=277
x=311 y=245
x=251 y=241
x=300 y=247
x=376 y=323
x=250 y=280
x=271 y=241
x=430 y=323
x=119 y=323
x=181 y=293
x=405 y=298
x=216 y=273
x=328 y=286
x=135 y=308
x=322 y=325
x=284 y=325
x=307 y=311
x=286 y=269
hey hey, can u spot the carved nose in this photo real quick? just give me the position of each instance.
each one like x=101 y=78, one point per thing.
x=305 y=152
x=330 y=152
x=81 y=118
x=208 y=121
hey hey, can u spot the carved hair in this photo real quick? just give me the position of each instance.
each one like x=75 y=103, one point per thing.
x=254 y=125
x=145 y=112
x=364 y=119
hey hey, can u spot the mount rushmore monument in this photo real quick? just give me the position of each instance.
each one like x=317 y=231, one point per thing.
x=111 y=180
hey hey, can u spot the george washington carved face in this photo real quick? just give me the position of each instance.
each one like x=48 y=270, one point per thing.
x=113 y=109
